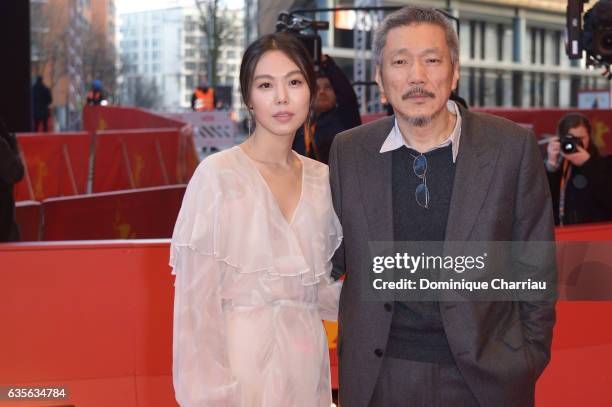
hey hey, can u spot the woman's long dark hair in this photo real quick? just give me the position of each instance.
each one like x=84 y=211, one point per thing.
x=573 y=120
x=289 y=45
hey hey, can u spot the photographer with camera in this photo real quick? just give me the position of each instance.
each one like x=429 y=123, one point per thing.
x=579 y=177
x=11 y=172
x=336 y=110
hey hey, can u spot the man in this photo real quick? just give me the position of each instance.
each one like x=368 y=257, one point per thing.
x=41 y=99
x=203 y=98
x=95 y=96
x=336 y=110
x=11 y=172
x=435 y=172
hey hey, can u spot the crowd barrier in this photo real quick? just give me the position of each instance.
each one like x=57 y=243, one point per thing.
x=97 y=118
x=97 y=317
x=127 y=159
x=29 y=215
x=56 y=165
x=161 y=152
x=147 y=213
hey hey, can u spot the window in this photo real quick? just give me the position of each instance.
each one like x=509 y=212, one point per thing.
x=190 y=66
x=190 y=81
x=190 y=53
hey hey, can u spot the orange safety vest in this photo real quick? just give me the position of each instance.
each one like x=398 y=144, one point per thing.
x=204 y=100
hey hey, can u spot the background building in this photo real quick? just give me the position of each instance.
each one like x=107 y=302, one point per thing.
x=164 y=56
x=512 y=51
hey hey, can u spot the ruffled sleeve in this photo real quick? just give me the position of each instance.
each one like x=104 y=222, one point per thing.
x=201 y=372
x=329 y=289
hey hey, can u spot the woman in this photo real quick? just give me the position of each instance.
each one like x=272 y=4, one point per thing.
x=251 y=251
x=580 y=181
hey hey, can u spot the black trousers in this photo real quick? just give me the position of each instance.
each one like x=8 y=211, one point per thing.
x=406 y=383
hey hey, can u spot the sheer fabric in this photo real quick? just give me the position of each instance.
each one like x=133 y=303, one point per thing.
x=251 y=288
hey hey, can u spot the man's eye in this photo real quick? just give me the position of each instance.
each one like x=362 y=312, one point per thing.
x=399 y=62
x=265 y=85
x=433 y=60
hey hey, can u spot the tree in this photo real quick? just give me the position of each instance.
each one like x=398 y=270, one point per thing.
x=142 y=92
x=215 y=27
x=99 y=62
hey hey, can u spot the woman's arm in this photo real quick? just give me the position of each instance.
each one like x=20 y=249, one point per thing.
x=201 y=371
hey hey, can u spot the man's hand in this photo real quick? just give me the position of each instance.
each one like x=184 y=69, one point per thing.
x=579 y=157
x=552 y=152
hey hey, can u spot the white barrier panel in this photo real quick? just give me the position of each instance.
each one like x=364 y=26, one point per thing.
x=210 y=129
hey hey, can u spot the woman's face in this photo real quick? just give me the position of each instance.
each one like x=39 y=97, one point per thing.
x=279 y=95
x=581 y=133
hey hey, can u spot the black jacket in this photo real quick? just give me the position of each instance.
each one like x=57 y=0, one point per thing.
x=11 y=172
x=41 y=99
x=342 y=117
x=588 y=196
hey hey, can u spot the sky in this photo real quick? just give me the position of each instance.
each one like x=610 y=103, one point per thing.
x=127 y=6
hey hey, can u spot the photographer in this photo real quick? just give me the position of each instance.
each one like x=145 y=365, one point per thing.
x=336 y=110
x=579 y=178
x=11 y=172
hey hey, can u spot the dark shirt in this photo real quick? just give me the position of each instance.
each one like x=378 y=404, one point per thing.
x=41 y=99
x=417 y=332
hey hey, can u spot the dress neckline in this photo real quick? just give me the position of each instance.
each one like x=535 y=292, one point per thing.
x=288 y=222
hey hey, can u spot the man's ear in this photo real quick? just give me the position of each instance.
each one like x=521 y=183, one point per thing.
x=379 y=81
x=456 y=76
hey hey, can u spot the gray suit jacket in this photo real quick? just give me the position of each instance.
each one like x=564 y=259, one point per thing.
x=500 y=192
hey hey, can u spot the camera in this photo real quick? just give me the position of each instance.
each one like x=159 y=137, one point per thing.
x=595 y=37
x=569 y=144
x=306 y=30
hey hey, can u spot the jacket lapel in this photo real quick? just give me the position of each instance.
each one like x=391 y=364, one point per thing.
x=375 y=184
x=474 y=172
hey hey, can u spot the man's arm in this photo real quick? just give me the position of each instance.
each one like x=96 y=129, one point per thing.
x=534 y=223
x=346 y=99
x=334 y=179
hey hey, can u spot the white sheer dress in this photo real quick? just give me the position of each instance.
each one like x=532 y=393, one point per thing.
x=251 y=288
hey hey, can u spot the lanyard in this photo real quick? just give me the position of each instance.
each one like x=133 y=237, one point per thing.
x=566 y=173
x=310 y=140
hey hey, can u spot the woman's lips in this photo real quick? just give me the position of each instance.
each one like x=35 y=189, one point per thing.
x=283 y=117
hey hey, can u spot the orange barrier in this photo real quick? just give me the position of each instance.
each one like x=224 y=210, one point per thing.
x=28 y=215
x=96 y=118
x=56 y=164
x=146 y=213
x=127 y=159
x=97 y=317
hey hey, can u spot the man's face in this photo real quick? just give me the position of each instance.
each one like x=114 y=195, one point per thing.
x=416 y=74
x=326 y=97
x=581 y=133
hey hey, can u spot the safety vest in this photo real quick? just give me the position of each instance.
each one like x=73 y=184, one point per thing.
x=204 y=100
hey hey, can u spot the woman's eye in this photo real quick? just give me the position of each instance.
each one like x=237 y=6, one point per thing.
x=295 y=82
x=265 y=85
